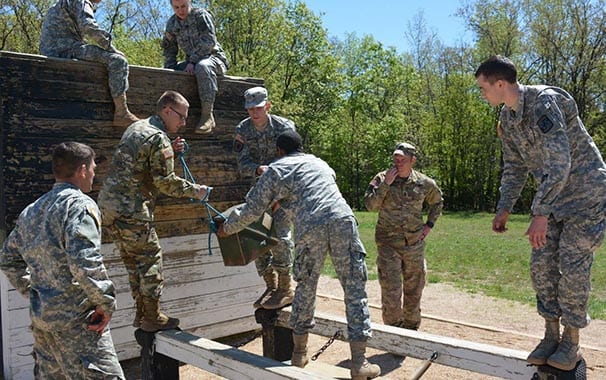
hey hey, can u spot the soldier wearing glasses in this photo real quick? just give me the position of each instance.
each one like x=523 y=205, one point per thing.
x=141 y=169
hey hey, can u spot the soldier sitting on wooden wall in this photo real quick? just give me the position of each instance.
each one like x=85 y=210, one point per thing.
x=66 y=25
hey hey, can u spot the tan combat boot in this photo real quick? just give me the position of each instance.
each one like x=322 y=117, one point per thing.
x=122 y=116
x=548 y=345
x=153 y=320
x=361 y=369
x=299 y=351
x=138 y=312
x=569 y=352
x=207 y=120
x=271 y=281
x=282 y=296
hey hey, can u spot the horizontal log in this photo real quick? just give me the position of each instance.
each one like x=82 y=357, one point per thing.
x=224 y=360
x=476 y=357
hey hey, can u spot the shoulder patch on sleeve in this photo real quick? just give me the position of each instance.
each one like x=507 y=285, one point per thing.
x=167 y=152
x=545 y=124
x=92 y=210
x=238 y=143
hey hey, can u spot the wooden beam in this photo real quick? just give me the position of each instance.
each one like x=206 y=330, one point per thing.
x=476 y=357
x=225 y=360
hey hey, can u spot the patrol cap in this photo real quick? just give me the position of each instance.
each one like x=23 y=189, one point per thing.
x=290 y=141
x=255 y=97
x=405 y=149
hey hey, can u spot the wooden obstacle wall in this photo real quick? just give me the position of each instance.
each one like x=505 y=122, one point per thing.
x=44 y=101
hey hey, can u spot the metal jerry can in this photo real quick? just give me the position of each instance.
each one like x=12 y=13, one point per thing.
x=245 y=246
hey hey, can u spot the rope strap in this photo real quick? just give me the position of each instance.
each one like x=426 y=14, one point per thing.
x=209 y=209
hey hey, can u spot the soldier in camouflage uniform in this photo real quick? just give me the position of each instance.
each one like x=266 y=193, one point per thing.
x=542 y=134
x=399 y=195
x=193 y=30
x=304 y=187
x=52 y=256
x=66 y=26
x=255 y=144
x=141 y=169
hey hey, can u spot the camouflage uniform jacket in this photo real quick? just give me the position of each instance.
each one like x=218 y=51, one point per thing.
x=547 y=138
x=257 y=148
x=401 y=204
x=67 y=24
x=195 y=36
x=306 y=190
x=52 y=256
x=141 y=169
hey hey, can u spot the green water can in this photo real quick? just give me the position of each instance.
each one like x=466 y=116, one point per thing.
x=253 y=241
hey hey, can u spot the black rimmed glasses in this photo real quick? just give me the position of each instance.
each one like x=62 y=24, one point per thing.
x=181 y=116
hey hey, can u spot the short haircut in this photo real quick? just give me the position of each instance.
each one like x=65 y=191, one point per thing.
x=290 y=141
x=171 y=98
x=69 y=156
x=497 y=68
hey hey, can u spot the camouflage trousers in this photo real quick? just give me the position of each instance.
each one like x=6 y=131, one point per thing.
x=561 y=270
x=341 y=240
x=141 y=254
x=117 y=65
x=206 y=71
x=280 y=257
x=75 y=353
x=402 y=271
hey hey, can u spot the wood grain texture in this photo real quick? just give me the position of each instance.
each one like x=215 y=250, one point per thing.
x=45 y=101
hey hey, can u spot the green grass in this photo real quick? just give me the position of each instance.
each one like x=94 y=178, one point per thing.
x=462 y=250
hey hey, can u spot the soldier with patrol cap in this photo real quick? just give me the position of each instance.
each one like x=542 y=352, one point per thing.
x=399 y=194
x=255 y=145
x=543 y=134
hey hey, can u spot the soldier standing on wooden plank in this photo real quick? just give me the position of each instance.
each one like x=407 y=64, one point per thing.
x=304 y=187
x=193 y=30
x=53 y=257
x=65 y=27
x=399 y=194
x=143 y=167
x=255 y=144
x=543 y=134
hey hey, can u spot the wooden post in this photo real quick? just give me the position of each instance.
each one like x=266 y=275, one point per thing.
x=155 y=366
x=277 y=340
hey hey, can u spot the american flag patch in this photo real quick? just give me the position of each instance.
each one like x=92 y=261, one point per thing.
x=167 y=152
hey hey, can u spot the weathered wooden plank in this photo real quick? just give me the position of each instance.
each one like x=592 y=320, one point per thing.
x=37 y=76
x=225 y=360
x=44 y=101
x=476 y=357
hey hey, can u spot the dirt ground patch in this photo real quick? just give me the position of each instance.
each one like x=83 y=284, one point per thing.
x=447 y=312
